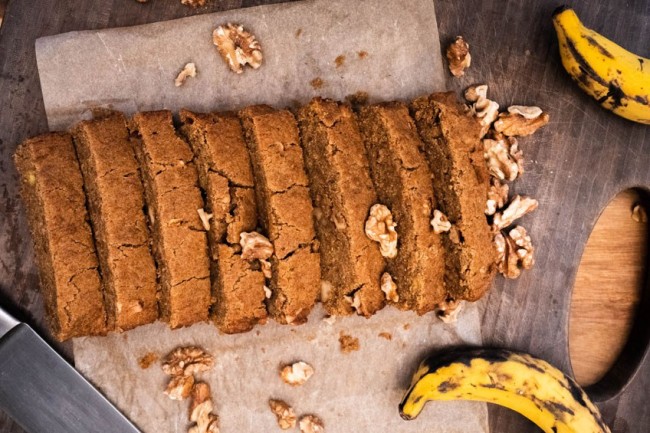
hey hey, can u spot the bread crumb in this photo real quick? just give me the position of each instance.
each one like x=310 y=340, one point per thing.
x=298 y=33
x=193 y=3
x=339 y=61
x=387 y=335
x=317 y=83
x=407 y=326
x=148 y=359
x=348 y=343
x=362 y=54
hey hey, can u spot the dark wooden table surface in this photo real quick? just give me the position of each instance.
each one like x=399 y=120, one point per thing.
x=574 y=166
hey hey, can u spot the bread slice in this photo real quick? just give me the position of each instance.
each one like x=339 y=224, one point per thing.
x=226 y=178
x=461 y=182
x=52 y=190
x=342 y=191
x=286 y=212
x=173 y=199
x=404 y=184
x=116 y=202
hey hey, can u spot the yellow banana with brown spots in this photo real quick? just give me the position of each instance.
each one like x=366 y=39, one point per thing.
x=518 y=381
x=618 y=79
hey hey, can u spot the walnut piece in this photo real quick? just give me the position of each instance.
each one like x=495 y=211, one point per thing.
x=284 y=414
x=503 y=157
x=193 y=3
x=145 y=361
x=440 y=222
x=255 y=246
x=311 y=424
x=517 y=208
x=497 y=196
x=267 y=292
x=200 y=410
x=237 y=47
x=205 y=218
x=380 y=227
x=389 y=287
x=354 y=300
x=514 y=252
x=297 y=373
x=639 y=213
x=521 y=121
x=458 y=57
x=266 y=268
x=185 y=361
x=179 y=387
x=449 y=310
x=484 y=109
x=325 y=290
x=189 y=70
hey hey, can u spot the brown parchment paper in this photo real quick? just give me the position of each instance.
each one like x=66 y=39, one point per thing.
x=133 y=69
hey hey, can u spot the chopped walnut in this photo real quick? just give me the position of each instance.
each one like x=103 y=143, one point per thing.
x=179 y=387
x=284 y=414
x=193 y=3
x=311 y=424
x=458 y=56
x=325 y=290
x=389 y=287
x=484 y=109
x=514 y=251
x=266 y=268
x=521 y=121
x=200 y=410
x=205 y=218
x=237 y=47
x=497 y=196
x=449 y=310
x=354 y=300
x=440 y=222
x=185 y=361
x=380 y=227
x=255 y=246
x=639 y=213
x=267 y=292
x=517 y=208
x=189 y=70
x=297 y=373
x=348 y=343
x=503 y=158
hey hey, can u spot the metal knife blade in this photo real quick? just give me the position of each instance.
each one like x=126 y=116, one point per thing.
x=43 y=393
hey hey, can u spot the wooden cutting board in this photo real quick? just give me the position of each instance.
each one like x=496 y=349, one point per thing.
x=574 y=166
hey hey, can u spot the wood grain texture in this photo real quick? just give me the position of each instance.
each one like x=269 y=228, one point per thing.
x=607 y=289
x=574 y=166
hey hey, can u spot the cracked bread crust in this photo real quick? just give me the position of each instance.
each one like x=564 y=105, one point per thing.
x=404 y=183
x=342 y=191
x=455 y=154
x=173 y=196
x=225 y=172
x=226 y=177
x=115 y=202
x=285 y=210
x=239 y=303
x=52 y=190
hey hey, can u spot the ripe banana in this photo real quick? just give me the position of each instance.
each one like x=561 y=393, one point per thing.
x=518 y=381
x=618 y=79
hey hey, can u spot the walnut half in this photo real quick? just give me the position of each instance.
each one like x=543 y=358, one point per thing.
x=458 y=56
x=284 y=414
x=514 y=252
x=185 y=361
x=237 y=47
x=521 y=120
x=311 y=424
x=380 y=227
